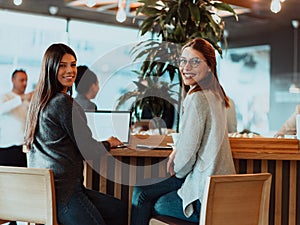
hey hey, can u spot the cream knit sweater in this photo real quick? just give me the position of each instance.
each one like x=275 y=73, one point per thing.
x=203 y=147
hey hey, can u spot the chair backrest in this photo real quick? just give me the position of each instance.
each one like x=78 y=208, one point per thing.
x=236 y=199
x=27 y=194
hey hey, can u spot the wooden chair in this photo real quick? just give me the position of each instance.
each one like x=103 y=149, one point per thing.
x=27 y=195
x=240 y=199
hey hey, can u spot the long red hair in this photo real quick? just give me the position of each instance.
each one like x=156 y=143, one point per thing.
x=211 y=82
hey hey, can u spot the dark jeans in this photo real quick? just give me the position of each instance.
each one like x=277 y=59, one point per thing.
x=13 y=156
x=90 y=207
x=159 y=199
x=13 y=223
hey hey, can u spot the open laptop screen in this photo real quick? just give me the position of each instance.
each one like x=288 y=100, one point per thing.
x=105 y=124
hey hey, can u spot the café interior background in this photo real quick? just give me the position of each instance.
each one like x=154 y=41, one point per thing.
x=244 y=71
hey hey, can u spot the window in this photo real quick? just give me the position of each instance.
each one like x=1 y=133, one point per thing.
x=245 y=76
x=103 y=48
x=23 y=40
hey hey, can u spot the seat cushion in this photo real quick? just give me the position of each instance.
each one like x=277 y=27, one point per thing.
x=166 y=220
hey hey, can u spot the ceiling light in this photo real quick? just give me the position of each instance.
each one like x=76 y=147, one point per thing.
x=121 y=13
x=295 y=24
x=91 y=3
x=18 y=2
x=53 y=10
x=275 y=6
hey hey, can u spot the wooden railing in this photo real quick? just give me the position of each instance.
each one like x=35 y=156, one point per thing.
x=122 y=168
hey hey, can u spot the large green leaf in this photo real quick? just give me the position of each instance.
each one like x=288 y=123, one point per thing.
x=183 y=14
x=195 y=13
x=151 y=11
x=147 y=25
x=225 y=7
x=173 y=21
x=170 y=15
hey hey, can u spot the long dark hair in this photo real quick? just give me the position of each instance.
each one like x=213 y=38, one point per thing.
x=211 y=82
x=47 y=87
x=85 y=79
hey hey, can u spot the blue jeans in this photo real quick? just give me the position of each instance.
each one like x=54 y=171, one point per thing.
x=160 y=199
x=88 y=207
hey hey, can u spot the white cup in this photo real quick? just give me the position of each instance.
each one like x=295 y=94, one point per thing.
x=298 y=126
x=175 y=137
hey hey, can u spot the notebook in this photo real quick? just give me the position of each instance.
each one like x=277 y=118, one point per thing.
x=105 y=124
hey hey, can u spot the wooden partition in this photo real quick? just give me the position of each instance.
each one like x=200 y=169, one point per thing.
x=122 y=168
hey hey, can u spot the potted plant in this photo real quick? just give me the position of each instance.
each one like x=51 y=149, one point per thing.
x=151 y=96
x=177 y=22
x=174 y=22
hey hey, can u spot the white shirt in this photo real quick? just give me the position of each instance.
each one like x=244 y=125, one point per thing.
x=289 y=126
x=13 y=114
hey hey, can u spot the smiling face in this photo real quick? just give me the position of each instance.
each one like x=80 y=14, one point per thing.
x=67 y=71
x=193 y=67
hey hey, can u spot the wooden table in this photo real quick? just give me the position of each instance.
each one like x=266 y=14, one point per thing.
x=121 y=168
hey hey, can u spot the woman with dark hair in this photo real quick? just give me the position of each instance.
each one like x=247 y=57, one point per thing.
x=53 y=141
x=87 y=87
x=202 y=148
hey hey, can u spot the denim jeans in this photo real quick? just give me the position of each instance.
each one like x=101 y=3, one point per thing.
x=13 y=156
x=159 y=199
x=88 y=207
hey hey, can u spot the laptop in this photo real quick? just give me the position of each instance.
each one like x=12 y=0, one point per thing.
x=105 y=123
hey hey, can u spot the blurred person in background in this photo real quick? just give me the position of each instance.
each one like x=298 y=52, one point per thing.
x=87 y=87
x=13 y=110
x=289 y=126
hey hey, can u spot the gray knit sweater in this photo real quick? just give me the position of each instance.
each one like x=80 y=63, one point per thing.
x=62 y=141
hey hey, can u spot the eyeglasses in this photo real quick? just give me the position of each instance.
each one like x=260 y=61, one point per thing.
x=194 y=62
